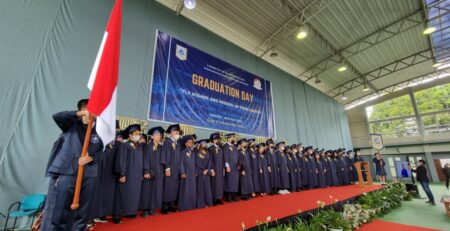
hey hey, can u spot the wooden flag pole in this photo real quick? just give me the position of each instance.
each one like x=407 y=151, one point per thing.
x=87 y=139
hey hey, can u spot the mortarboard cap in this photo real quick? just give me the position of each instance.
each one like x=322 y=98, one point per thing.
x=214 y=136
x=131 y=128
x=173 y=127
x=153 y=130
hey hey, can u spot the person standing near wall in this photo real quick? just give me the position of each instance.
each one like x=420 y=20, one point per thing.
x=446 y=171
x=421 y=175
x=379 y=167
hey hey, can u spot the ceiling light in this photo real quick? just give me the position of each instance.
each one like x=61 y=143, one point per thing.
x=342 y=68
x=366 y=88
x=190 y=4
x=344 y=97
x=429 y=30
x=302 y=33
x=437 y=64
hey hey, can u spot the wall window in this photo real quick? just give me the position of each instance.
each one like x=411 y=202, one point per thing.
x=393 y=118
x=434 y=108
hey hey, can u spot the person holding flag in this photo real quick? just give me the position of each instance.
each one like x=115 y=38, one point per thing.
x=62 y=168
x=73 y=160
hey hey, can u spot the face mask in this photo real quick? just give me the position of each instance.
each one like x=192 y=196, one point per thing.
x=135 y=138
x=176 y=137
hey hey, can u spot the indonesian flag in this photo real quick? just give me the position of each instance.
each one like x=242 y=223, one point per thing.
x=104 y=78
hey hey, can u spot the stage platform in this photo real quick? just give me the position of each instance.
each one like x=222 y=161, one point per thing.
x=232 y=216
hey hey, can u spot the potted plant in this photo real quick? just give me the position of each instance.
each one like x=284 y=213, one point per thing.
x=329 y=220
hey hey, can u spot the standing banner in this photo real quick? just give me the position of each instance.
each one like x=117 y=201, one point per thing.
x=377 y=141
x=192 y=87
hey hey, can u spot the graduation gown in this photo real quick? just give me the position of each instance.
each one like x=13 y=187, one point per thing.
x=231 y=158
x=320 y=174
x=171 y=158
x=188 y=187
x=217 y=181
x=130 y=165
x=152 y=189
x=264 y=178
x=283 y=169
x=273 y=163
x=343 y=171
x=292 y=173
x=255 y=170
x=298 y=174
x=246 y=178
x=312 y=174
x=304 y=171
x=204 y=196
x=333 y=171
x=103 y=198
x=327 y=174
x=351 y=169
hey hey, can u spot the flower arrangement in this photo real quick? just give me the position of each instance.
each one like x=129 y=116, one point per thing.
x=369 y=205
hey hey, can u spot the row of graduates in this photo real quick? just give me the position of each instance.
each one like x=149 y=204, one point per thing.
x=183 y=173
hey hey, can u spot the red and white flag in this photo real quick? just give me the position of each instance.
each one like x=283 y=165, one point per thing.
x=104 y=78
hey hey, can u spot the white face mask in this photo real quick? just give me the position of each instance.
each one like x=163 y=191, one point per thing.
x=135 y=138
x=176 y=137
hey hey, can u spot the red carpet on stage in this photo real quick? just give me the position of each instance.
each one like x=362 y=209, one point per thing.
x=377 y=225
x=231 y=216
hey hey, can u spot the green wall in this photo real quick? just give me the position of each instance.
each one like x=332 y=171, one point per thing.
x=47 y=50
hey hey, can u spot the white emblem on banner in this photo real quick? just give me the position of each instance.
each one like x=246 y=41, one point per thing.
x=377 y=141
x=257 y=84
x=181 y=52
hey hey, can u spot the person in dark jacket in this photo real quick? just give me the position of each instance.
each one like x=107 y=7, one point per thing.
x=62 y=169
x=379 y=167
x=421 y=176
x=446 y=170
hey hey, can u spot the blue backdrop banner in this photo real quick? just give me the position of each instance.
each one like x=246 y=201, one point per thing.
x=192 y=87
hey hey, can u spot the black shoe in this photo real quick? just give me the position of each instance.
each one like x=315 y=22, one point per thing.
x=432 y=204
x=244 y=198
x=117 y=220
x=429 y=202
x=145 y=214
x=172 y=209
x=131 y=216
x=151 y=212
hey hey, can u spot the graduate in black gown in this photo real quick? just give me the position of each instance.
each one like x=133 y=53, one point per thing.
x=292 y=170
x=245 y=168
x=326 y=165
x=343 y=170
x=188 y=174
x=333 y=168
x=171 y=159
x=298 y=176
x=231 y=158
x=320 y=171
x=152 y=185
x=130 y=166
x=204 y=172
x=351 y=170
x=304 y=171
x=312 y=168
x=252 y=152
x=217 y=164
x=103 y=199
x=273 y=162
x=264 y=170
x=282 y=167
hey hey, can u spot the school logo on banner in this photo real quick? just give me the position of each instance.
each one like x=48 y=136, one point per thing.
x=257 y=84
x=181 y=52
x=377 y=141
